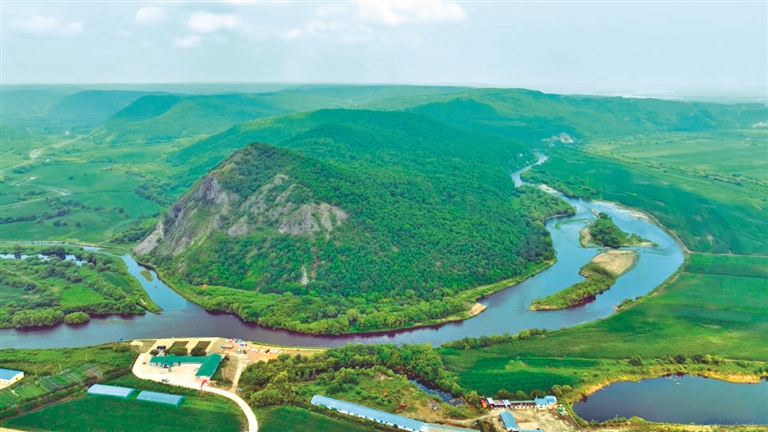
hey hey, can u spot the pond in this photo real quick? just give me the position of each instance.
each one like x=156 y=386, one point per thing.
x=675 y=399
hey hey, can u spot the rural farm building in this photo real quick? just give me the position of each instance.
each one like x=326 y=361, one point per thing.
x=370 y=414
x=9 y=376
x=382 y=417
x=545 y=402
x=509 y=422
x=161 y=398
x=112 y=391
x=208 y=364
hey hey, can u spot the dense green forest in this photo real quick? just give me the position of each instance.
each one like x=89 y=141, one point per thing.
x=417 y=212
x=46 y=288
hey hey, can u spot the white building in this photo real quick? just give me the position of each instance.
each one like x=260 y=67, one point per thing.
x=9 y=376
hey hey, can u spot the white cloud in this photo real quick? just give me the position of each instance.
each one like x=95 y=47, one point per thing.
x=406 y=12
x=75 y=27
x=187 y=42
x=292 y=34
x=45 y=24
x=149 y=14
x=206 y=22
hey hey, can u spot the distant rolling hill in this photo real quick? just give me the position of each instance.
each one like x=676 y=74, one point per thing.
x=529 y=117
x=164 y=117
x=354 y=220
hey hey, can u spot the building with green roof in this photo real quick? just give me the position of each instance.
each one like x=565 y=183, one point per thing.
x=208 y=364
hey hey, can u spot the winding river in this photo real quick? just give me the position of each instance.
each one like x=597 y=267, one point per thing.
x=507 y=310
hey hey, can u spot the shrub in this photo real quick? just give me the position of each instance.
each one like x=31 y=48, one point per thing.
x=178 y=350
x=76 y=318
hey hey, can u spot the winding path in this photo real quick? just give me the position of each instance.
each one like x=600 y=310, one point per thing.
x=253 y=425
x=140 y=371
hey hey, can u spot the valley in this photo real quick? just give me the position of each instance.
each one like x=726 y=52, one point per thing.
x=382 y=225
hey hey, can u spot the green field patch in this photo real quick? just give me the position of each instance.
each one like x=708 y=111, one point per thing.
x=78 y=295
x=285 y=418
x=489 y=382
x=108 y=414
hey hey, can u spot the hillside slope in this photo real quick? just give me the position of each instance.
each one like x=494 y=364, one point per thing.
x=372 y=220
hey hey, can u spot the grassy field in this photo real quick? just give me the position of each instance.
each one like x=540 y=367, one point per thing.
x=727 y=152
x=711 y=213
x=93 y=413
x=99 y=187
x=716 y=306
x=287 y=419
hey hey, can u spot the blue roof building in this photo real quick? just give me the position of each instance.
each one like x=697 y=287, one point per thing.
x=390 y=419
x=545 y=402
x=9 y=374
x=510 y=424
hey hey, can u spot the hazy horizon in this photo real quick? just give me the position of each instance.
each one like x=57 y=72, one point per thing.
x=685 y=49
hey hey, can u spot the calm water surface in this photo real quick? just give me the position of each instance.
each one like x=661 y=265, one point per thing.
x=507 y=310
x=686 y=399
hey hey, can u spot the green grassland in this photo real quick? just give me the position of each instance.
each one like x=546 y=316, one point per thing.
x=93 y=413
x=709 y=214
x=725 y=152
x=716 y=306
x=715 y=309
x=288 y=419
x=39 y=292
x=93 y=193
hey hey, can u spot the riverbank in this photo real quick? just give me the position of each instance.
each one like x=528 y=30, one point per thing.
x=599 y=278
x=470 y=299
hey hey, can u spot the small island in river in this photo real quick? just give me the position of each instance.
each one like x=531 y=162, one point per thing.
x=600 y=273
x=603 y=232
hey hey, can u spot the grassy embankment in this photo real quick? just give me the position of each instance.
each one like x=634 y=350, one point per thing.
x=39 y=292
x=600 y=273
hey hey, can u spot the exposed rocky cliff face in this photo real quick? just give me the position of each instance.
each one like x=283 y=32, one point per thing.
x=281 y=204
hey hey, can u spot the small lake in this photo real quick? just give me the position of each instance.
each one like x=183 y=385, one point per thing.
x=507 y=310
x=683 y=400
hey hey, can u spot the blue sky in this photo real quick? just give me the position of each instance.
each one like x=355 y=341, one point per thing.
x=571 y=47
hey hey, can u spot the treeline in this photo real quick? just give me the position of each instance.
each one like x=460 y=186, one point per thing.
x=285 y=380
x=598 y=280
x=469 y=343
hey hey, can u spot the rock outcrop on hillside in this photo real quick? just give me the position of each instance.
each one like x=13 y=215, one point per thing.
x=281 y=204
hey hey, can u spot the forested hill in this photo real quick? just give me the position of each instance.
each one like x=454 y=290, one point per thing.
x=369 y=220
x=398 y=140
x=533 y=115
x=528 y=117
